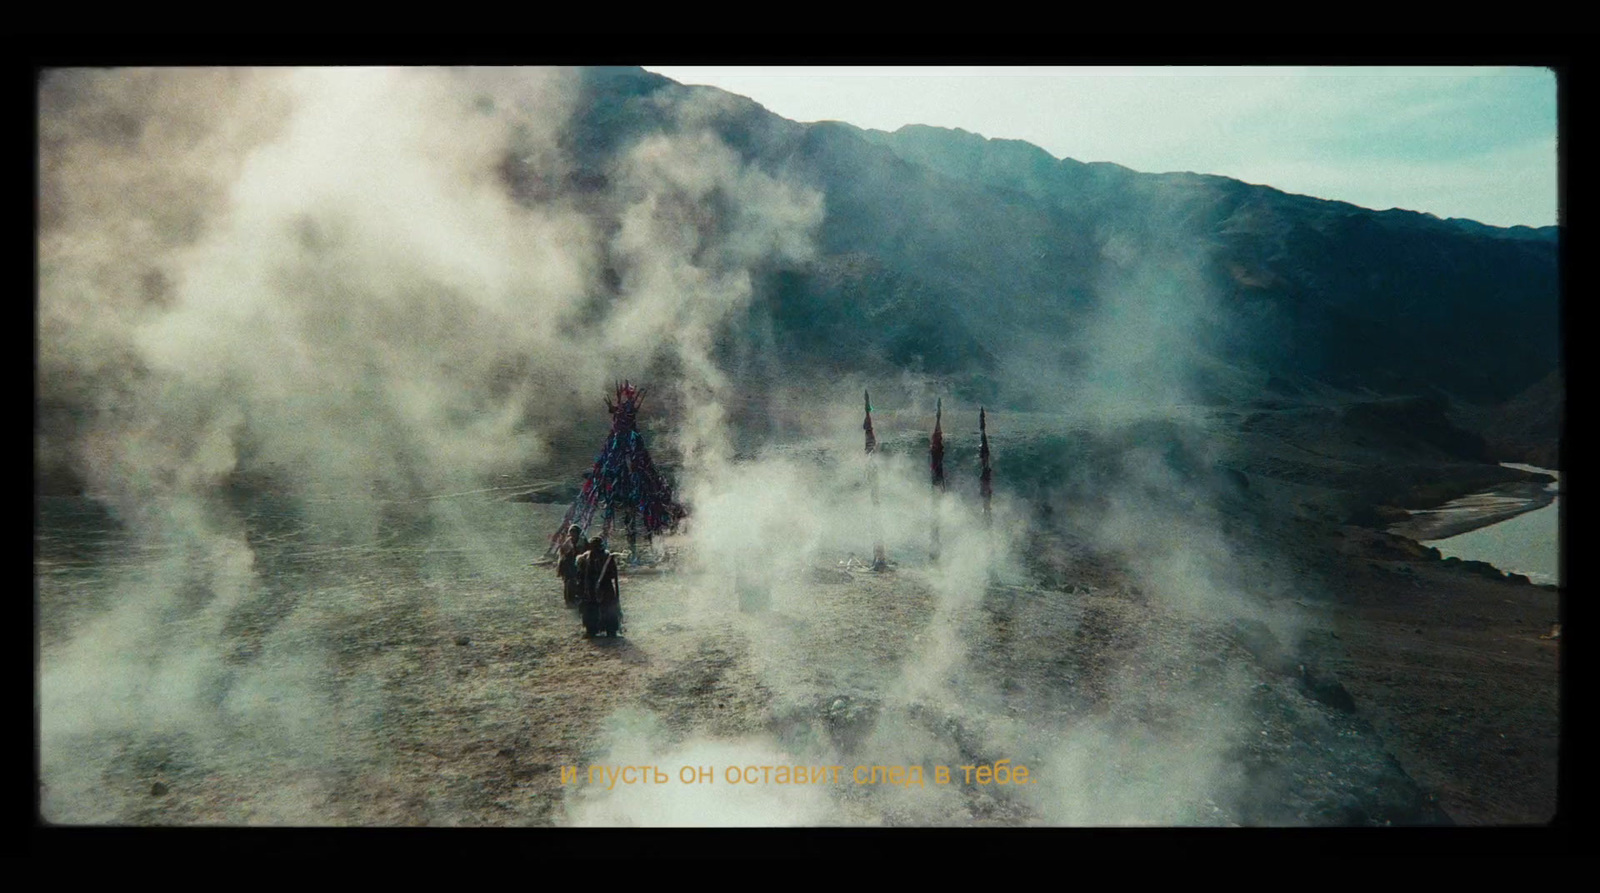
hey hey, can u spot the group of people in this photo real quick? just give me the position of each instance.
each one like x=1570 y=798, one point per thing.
x=589 y=583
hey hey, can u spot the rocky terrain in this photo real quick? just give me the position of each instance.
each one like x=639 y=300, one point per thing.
x=423 y=678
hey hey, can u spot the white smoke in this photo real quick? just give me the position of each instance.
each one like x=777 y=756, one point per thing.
x=327 y=279
x=320 y=278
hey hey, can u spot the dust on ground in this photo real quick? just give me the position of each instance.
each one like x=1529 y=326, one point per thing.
x=436 y=686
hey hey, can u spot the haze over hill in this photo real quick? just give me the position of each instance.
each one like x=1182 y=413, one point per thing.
x=989 y=268
x=302 y=333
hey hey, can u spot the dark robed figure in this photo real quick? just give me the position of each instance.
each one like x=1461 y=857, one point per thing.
x=600 y=601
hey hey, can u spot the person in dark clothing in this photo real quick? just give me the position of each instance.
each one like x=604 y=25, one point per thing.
x=601 y=604
x=567 y=566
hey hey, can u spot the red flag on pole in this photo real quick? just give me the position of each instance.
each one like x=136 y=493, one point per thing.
x=872 y=442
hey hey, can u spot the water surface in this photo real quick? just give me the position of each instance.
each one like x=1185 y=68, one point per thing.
x=1528 y=544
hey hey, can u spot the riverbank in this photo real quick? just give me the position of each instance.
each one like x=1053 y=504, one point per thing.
x=1470 y=513
x=1526 y=545
x=1482 y=509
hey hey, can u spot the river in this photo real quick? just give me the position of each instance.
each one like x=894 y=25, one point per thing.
x=1527 y=544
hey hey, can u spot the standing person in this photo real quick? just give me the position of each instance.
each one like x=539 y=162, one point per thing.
x=601 y=604
x=566 y=566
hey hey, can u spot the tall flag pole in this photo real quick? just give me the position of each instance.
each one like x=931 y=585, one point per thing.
x=936 y=463
x=986 y=489
x=985 y=474
x=879 y=560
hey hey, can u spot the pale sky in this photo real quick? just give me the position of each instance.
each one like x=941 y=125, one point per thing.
x=1478 y=143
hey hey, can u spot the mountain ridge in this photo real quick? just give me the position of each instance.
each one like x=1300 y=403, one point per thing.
x=1009 y=253
x=897 y=139
x=1314 y=286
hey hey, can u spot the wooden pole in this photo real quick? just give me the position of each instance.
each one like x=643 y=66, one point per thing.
x=985 y=474
x=936 y=464
x=879 y=560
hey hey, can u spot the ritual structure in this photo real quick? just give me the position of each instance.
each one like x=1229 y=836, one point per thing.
x=623 y=488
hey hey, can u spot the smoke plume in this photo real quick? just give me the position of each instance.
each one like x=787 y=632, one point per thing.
x=296 y=313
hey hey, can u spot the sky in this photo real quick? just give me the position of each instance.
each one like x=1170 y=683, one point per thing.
x=1476 y=142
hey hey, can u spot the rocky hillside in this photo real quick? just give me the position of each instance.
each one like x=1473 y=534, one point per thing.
x=981 y=263
x=1393 y=301
x=940 y=244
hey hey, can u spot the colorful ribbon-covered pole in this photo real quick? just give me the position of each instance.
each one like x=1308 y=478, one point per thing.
x=623 y=478
x=879 y=560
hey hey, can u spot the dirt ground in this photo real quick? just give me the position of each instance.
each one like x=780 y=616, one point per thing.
x=398 y=685
x=1454 y=670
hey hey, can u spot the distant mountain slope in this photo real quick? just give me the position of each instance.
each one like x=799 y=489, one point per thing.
x=1525 y=428
x=1393 y=301
x=980 y=245
x=988 y=263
